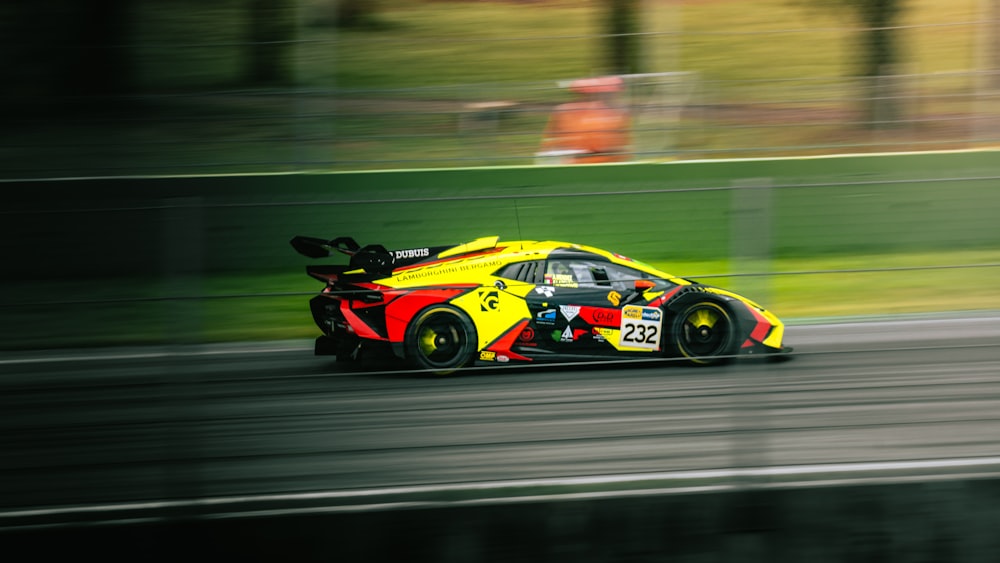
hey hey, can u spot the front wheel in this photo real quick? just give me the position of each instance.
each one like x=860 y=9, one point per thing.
x=705 y=333
x=441 y=339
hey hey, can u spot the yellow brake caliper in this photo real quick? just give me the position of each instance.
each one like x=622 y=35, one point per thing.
x=702 y=319
x=427 y=341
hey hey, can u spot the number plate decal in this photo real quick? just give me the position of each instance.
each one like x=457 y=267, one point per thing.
x=641 y=327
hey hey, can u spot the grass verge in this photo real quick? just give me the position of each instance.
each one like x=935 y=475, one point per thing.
x=253 y=307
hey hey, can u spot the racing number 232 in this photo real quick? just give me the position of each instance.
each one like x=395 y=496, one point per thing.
x=640 y=333
x=640 y=327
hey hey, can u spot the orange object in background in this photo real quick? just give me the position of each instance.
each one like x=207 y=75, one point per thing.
x=590 y=130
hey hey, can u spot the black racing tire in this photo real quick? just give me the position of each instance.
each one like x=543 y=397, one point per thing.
x=705 y=333
x=441 y=338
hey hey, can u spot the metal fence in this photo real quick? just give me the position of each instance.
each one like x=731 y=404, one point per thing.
x=674 y=116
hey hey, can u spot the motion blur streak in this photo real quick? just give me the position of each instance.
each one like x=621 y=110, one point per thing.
x=190 y=433
x=485 y=493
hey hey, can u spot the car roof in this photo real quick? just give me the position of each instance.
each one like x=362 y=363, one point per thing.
x=492 y=253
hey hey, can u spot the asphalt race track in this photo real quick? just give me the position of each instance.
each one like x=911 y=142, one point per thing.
x=236 y=427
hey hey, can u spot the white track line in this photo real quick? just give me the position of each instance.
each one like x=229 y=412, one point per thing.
x=501 y=490
x=187 y=351
x=842 y=325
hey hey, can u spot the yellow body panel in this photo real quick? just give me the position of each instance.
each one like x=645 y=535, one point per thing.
x=480 y=268
x=777 y=334
x=478 y=244
x=496 y=311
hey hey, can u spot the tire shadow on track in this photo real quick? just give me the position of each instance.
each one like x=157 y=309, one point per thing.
x=383 y=364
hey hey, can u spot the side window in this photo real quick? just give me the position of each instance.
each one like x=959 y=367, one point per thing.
x=575 y=273
x=562 y=273
x=622 y=278
x=592 y=273
x=528 y=272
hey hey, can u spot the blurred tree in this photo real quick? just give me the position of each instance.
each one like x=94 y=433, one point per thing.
x=271 y=41
x=993 y=42
x=879 y=55
x=355 y=13
x=879 y=44
x=103 y=66
x=622 y=17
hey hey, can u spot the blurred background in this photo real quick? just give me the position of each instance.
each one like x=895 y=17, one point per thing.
x=200 y=137
x=156 y=157
x=127 y=87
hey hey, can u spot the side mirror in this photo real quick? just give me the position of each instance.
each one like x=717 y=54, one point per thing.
x=643 y=285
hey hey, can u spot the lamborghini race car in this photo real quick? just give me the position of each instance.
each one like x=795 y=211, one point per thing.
x=487 y=302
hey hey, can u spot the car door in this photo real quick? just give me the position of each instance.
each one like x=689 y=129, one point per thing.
x=577 y=309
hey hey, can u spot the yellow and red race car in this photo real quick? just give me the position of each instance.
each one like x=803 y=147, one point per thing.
x=486 y=302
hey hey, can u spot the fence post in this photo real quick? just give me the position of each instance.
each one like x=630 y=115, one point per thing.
x=750 y=238
x=183 y=266
x=182 y=249
x=750 y=251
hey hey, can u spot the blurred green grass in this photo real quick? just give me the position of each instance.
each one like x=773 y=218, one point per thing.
x=200 y=117
x=926 y=220
x=257 y=307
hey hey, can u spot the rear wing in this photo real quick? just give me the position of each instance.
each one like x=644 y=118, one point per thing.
x=321 y=248
x=372 y=258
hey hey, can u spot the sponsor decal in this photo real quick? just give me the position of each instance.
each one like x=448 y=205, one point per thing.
x=643 y=313
x=412 y=253
x=446 y=268
x=489 y=300
x=487 y=356
x=602 y=334
x=569 y=311
x=560 y=280
x=546 y=317
x=615 y=298
x=567 y=335
x=527 y=335
x=605 y=316
x=502 y=358
x=545 y=290
x=641 y=327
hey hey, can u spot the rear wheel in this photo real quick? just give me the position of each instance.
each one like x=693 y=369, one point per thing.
x=441 y=338
x=705 y=333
